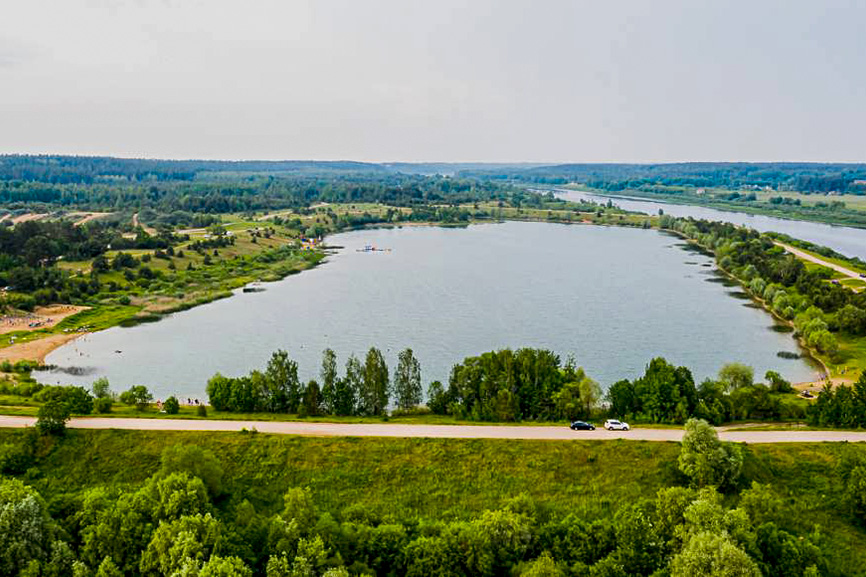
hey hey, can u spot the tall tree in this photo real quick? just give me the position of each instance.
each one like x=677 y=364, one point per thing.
x=284 y=388
x=376 y=392
x=312 y=400
x=348 y=389
x=329 y=380
x=407 y=380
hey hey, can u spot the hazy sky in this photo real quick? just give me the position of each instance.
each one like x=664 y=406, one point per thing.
x=438 y=80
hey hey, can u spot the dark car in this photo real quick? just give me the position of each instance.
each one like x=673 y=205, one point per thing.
x=581 y=426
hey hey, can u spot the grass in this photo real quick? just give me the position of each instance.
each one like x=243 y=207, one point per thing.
x=450 y=479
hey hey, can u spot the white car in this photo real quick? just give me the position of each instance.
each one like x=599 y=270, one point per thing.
x=614 y=425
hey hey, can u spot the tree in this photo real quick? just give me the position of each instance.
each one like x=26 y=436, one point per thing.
x=736 y=375
x=52 y=418
x=181 y=545
x=437 y=401
x=407 y=380
x=329 y=381
x=137 y=395
x=176 y=495
x=705 y=459
x=376 y=384
x=543 y=566
x=218 y=566
x=108 y=569
x=298 y=506
x=195 y=461
x=312 y=401
x=100 y=388
x=590 y=395
x=777 y=383
x=26 y=530
x=283 y=386
x=710 y=555
x=348 y=389
x=171 y=406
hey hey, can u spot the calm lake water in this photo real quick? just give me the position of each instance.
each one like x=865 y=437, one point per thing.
x=845 y=240
x=612 y=297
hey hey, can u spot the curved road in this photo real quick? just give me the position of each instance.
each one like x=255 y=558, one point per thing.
x=550 y=433
x=811 y=258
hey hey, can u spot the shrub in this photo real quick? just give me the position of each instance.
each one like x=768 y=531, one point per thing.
x=201 y=411
x=137 y=395
x=102 y=405
x=171 y=406
x=15 y=458
x=76 y=399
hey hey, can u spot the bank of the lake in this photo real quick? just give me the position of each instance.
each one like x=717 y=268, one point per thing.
x=846 y=240
x=612 y=297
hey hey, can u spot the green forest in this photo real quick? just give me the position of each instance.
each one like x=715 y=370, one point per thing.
x=161 y=503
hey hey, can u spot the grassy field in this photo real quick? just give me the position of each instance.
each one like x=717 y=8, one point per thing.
x=850 y=200
x=403 y=479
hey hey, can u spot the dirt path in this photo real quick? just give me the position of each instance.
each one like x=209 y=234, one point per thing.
x=436 y=431
x=811 y=258
x=136 y=223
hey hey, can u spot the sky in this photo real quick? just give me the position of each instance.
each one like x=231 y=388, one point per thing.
x=437 y=80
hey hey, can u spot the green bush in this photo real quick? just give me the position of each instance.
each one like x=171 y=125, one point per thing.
x=15 y=458
x=77 y=399
x=103 y=405
x=171 y=406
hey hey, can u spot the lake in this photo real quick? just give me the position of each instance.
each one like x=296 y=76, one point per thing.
x=845 y=240
x=612 y=297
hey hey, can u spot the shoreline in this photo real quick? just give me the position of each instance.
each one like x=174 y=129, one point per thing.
x=752 y=211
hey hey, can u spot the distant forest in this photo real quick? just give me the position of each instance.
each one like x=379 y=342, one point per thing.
x=26 y=170
x=801 y=176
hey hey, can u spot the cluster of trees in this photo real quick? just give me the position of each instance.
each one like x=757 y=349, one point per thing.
x=185 y=520
x=363 y=389
x=818 y=308
x=842 y=406
x=29 y=250
x=506 y=385
x=667 y=394
x=533 y=384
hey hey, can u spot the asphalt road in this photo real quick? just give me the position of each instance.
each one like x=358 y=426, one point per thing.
x=437 y=431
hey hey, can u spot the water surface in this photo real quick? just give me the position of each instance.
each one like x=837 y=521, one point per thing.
x=845 y=240
x=612 y=297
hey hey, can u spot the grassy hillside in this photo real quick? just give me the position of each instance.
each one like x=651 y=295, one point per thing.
x=406 y=479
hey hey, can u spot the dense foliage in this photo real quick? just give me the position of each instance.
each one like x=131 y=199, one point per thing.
x=365 y=389
x=801 y=176
x=194 y=511
x=842 y=406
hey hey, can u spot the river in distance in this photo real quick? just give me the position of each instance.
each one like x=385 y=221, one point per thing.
x=846 y=240
x=612 y=297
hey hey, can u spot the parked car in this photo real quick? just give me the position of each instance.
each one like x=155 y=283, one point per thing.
x=614 y=425
x=582 y=426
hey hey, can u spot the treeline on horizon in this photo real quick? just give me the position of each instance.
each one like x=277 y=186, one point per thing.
x=800 y=176
x=502 y=386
